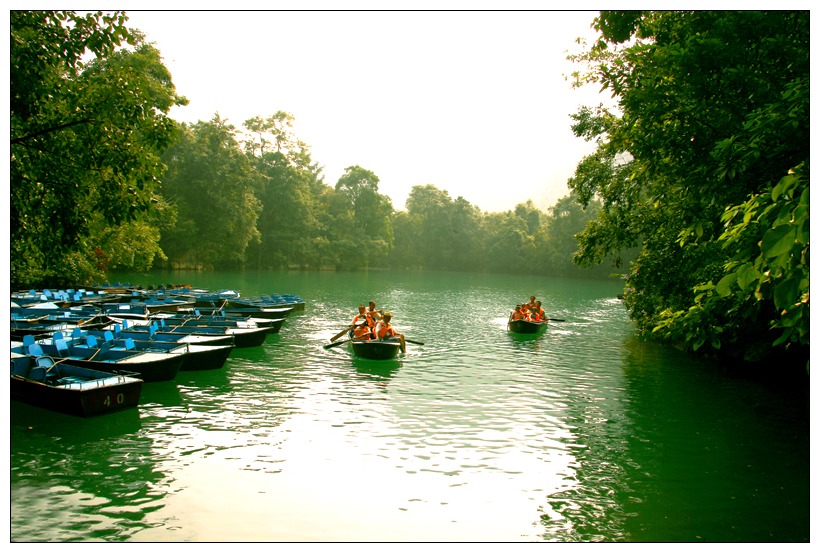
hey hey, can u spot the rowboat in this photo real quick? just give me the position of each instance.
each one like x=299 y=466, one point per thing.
x=255 y=312
x=220 y=321
x=86 y=316
x=523 y=326
x=149 y=366
x=19 y=329
x=276 y=300
x=197 y=357
x=70 y=389
x=242 y=337
x=177 y=338
x=376 y=349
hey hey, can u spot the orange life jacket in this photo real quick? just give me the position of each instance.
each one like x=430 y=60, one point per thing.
x=383 y=330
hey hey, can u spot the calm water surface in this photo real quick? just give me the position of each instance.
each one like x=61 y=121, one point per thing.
x=584 y=433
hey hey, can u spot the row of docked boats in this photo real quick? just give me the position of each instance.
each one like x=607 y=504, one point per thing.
x=89 y=358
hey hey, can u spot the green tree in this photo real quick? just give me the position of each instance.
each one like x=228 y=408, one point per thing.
x=360 y=224
x=507 y=243
x=712 y=112
x=564 y=221
x=288 y=221
x=211 y=183
x=85 y=140
x=429 y=210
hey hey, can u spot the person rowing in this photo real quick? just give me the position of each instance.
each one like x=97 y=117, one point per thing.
x=375 y=314
x=363 y=331
x=385 y=330
x=361 y=316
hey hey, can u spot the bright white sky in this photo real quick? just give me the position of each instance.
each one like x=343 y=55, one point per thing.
x=475 y=103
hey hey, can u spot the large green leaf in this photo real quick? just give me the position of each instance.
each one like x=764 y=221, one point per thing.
x=778 y=241
x=724 y=286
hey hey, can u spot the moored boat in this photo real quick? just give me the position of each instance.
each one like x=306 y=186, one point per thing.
x=197 y=357
x=85 y=316
x=39 y=329
x=150 y=366
x=242 y=337
x=255 y=312
x=175 y=319
x=70 y=389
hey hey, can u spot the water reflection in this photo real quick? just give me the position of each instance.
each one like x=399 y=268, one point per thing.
x=94 y=477
x=577 y=435
x=383 y=370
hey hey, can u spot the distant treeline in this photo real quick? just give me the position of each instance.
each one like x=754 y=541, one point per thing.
x=102 y=179
x=253 y=197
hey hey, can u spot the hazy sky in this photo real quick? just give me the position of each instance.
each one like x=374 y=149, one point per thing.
x=475 y=103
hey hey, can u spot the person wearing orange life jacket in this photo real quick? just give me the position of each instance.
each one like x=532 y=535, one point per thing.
x=375 y=314
x=517 y=314
x=361 y=316
x=363 y=331
x=384 y=330
x=542 y=316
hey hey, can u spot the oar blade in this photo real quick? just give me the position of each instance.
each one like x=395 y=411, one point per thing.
x=339 y=335
x=334 y=344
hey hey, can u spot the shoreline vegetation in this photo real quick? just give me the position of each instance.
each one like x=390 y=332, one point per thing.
x=698 y=191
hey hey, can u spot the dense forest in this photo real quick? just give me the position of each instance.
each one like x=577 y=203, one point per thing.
x=705 y=166
x=697 y=191
x=103 y=179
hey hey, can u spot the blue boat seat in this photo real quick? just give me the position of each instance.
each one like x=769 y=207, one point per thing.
x=62 y=348
x=108 y=336
x=57 y=336
x=129 y=344
x=102 y=353
x=35 y=350
x=40 y=371
x=28 y=339
x=77 y=333
x=91 y=341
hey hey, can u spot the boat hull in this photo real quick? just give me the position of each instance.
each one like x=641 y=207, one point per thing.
x=77 y=391
x=149 y=366
x=522 y=326
x=376 y=349
x=206 y=358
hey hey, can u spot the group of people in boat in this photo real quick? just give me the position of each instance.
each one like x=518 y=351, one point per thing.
x=530 y=311
x=374 y=324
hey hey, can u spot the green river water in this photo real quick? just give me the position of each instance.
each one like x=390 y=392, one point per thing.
x=585 y=433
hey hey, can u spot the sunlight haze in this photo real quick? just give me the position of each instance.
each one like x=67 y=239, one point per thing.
x=475 y=103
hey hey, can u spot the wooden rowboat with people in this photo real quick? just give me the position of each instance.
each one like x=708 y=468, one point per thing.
x=529 y=318
x=378 y=350
x=523 y=326
x=373 y=341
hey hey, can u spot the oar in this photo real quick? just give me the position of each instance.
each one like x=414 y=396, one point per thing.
x=334 y=344
x=409 y=341
x=549 y=320
x=340 y=334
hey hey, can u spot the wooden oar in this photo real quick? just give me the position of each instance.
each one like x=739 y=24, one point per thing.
x=555 y=320
x=340 y=334
x=334 y=344
x=409 y=341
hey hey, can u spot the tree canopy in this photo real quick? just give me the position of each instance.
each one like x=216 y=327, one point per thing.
x=703 y=164
x=85 y=142
x=102 y=178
